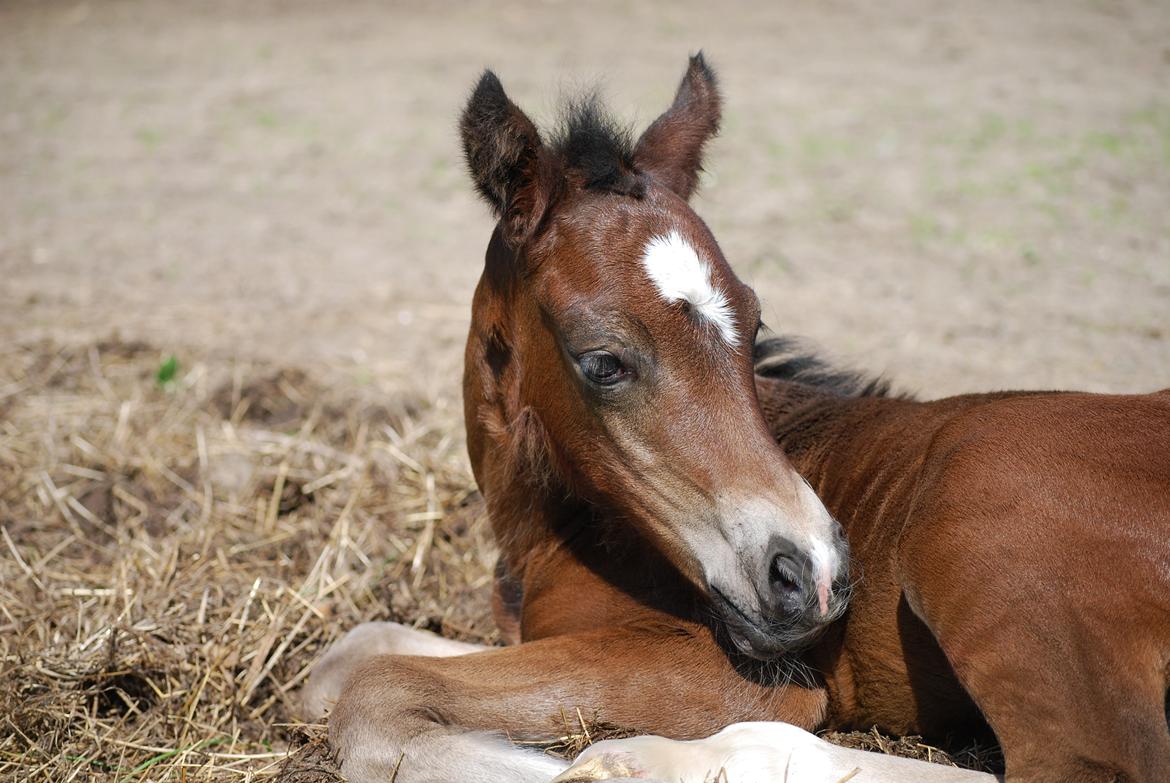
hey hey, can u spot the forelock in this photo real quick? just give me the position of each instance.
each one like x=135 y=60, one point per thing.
x=599 y=149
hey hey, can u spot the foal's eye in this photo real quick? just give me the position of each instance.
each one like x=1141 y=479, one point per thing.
x=602 y=367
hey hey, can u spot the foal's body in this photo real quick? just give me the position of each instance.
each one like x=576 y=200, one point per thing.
x=658 y=550
x=1014 y=547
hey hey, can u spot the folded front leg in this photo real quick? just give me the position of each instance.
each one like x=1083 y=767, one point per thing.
x=417 y=720
x=362 y=643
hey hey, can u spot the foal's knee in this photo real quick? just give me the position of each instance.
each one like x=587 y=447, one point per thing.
x=331 y=672
x=381 y=707
x=363 y=643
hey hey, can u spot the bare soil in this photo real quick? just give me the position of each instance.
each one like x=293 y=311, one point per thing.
x=966 y=197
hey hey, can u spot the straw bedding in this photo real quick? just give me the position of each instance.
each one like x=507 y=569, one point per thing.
x=178 y=544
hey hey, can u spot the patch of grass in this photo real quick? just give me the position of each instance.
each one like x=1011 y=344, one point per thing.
x=924 y=228
x=158 y=758
x=55 y=116
x=766 y=264
x=1105 y=141
x=151 y=138
x=818 y=147
x=992 y=129
x=1155 y=119
x=165 y=374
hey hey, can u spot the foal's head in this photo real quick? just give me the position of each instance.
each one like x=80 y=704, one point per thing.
x=611 y=347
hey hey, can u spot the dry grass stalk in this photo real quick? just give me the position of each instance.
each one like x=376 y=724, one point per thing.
x=173 y=558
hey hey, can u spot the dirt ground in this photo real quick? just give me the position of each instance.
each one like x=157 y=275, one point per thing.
x=966 y=197
x=963 y=197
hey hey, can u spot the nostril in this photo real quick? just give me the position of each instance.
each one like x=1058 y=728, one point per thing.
x=787 y=589
x=782 y=577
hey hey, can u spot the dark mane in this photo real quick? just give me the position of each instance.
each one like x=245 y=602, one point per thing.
x=788 y=358
x=597 y=147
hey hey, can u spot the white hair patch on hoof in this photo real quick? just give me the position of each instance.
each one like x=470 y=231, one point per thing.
x=681 y=276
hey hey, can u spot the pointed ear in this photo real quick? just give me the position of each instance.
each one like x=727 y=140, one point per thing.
x=508 y=162
x=671 y=149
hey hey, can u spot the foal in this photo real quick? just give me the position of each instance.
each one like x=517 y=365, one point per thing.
x=1014 y=551
x=638 y=498
x=658 y=551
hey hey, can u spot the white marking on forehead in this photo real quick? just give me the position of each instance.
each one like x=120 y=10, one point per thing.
x=681 y=275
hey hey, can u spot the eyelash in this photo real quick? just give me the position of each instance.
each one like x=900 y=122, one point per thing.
x=603 y=368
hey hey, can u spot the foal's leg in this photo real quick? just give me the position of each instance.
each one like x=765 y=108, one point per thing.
x=1074 y=694
x=418 y=719
x=755 y=752
x=1062 y=713
x=365 y=641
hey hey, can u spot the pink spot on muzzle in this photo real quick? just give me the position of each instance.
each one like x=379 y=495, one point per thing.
x=824 y=584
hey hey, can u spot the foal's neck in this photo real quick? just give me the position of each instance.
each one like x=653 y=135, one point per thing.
x=850 y=447
x=807 y=421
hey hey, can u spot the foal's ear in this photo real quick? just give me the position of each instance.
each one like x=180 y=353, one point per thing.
x=505 y=156
x=671 y=149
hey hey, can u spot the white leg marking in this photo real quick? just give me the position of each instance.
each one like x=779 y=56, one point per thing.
x=379 y=746
x=760 y=752
x=361 y=643
x=370 y=756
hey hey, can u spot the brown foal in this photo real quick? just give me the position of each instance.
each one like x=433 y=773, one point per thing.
x=1014 y=551
x=664 y=563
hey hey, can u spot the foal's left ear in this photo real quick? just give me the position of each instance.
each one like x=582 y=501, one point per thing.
x=671 y=149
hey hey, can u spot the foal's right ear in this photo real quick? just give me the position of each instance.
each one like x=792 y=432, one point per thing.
x=506 y=158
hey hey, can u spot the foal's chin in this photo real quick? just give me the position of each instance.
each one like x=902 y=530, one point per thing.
x=764 y=640
x=763 y=647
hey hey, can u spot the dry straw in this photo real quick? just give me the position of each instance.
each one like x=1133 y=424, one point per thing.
x=178 y=546
x=174 y=555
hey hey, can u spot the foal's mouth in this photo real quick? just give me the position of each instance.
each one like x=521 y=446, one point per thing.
x=759 y=638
